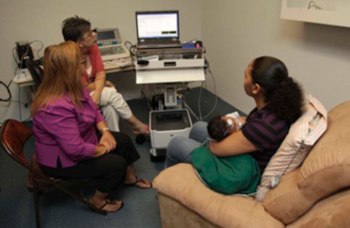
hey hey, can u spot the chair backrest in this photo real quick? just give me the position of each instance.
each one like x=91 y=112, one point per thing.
x=35 y=70
x=13 y=136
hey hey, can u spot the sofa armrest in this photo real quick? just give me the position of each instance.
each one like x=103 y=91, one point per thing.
x=181 y=183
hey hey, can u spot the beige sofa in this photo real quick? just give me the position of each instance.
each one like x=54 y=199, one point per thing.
x=315 y=195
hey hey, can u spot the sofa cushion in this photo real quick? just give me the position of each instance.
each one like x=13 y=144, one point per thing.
x=239 y=211
x=325 y=171
x=330 y=212
x=295 y=147
x=280 y=201
x=327 y=168
x=174 y=214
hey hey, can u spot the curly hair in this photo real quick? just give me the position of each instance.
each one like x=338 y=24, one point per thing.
x=73 y=28
x=282 y=94
x=217 y=128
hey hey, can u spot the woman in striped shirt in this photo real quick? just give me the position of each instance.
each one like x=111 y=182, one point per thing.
x=279 y=103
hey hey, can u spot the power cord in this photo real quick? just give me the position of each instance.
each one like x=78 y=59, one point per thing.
x=8 y=91
x=41 y=47
x=131 y=47
x=8 y=88
x=189 y=108
x=200 y=94
x=18 y=60
x=201 y=117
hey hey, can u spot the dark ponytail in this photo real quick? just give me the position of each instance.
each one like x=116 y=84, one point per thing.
x=283 y=95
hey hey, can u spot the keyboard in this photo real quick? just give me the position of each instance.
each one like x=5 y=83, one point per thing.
x=117 y=63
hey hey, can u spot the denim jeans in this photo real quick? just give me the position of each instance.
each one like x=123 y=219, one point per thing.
x=180 y=148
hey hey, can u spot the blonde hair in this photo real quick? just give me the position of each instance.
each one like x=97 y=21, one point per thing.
x=62 y=75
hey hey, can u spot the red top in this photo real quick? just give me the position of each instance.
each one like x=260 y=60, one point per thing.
x=96 y=64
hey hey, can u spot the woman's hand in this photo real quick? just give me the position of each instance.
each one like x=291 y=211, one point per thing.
x=90 y=86
x=108 y=138
x=234 y=144
x=109 y=84
x=243 y=119
x=101 y=149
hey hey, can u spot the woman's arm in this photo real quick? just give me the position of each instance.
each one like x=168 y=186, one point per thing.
x=107 y=137
x=234 y=144
x=99 y=84
x=100 y=150
x=243 y=119
x=91 y=86
x=62 y=124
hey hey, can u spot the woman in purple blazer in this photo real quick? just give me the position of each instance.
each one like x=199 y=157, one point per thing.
x=65 y=119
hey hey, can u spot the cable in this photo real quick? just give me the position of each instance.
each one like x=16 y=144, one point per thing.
x=8 y=88
x=8 y=91
x=42 y=45
x=20 y=63
x=19 y=59
x=191 y=111
x=14 y=57
x=20 y=107
x=200 y=95
x=145 y=96
x=131 y=47
x=199 y=102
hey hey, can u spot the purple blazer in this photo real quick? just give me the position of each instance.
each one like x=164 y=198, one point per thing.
x=65 y=131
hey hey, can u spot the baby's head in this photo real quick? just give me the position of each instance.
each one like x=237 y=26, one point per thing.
x=220 y=127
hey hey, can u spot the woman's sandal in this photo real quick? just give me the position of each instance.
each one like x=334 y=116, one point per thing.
x=139 y=180
x=107 y=202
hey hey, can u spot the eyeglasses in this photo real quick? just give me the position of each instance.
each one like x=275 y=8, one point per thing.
x=90 y=34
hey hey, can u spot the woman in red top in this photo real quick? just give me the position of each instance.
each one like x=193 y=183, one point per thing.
x=79 y=30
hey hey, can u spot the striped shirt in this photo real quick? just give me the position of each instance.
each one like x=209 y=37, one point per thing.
x=266 y=131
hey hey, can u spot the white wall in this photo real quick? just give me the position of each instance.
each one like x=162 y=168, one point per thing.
x=234 y=32
x=237 y=31
x=41 y=20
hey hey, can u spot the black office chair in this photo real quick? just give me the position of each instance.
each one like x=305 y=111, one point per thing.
x=36 y=71
x=13 y=137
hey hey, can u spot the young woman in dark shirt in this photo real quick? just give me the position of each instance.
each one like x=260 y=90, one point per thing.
x=279 y=102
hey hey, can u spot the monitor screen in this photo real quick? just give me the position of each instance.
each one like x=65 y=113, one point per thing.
x=106 y=35
x=152 y=25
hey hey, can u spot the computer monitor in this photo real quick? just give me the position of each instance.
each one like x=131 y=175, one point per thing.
x=108 y=36
x=157 y=25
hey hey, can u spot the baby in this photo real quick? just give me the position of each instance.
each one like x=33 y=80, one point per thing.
x=222 y=126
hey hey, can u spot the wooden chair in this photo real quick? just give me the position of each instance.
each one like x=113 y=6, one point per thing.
x=13 y=137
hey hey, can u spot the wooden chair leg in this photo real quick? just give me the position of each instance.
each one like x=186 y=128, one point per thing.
x=36 y=203
x=81 y=199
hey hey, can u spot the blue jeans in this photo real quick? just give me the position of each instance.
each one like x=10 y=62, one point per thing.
x=180 y=148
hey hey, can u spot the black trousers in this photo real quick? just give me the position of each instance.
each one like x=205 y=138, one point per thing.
x=108 y=170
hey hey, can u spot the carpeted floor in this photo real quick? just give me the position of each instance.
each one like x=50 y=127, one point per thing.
x=59 y=210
